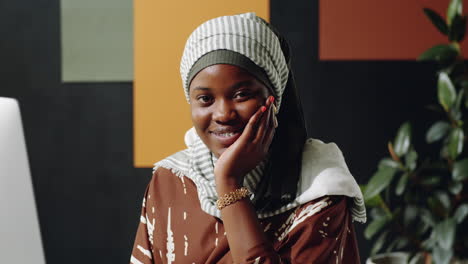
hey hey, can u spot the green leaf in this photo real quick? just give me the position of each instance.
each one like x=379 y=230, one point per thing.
x=426 y=216
x=377 y=212
x=440 y=53
x=437 y=206
x=437 y=131
x=436 y=20
x=458 y=28
x=455 y=143
x=421 y=228
x=445 y=233
x=388 y=162
x=374 y=201
x=461 y=213
x=403 y=139
x=402 y=242
x=392 y=245
x=375 y=226
x=460 y=170
x=430 y=180
x=430 y=242
x=418 y=258
x=456 y=113
x=409 y=214
x=378 y=182
x=446 y=91
x=455 y=8
x=379 y=242
x=455 y=187
x=402 y=184
x=411 y=159
x=459 y=100
x=443 y=198
x=441 y=255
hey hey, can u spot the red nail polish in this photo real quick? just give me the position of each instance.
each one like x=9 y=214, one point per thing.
x=272 y=99
x=263 y=109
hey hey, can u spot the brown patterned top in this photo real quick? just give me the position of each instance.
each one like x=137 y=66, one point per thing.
x=174 y=229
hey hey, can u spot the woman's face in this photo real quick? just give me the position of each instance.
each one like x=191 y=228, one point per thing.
x=222 y=99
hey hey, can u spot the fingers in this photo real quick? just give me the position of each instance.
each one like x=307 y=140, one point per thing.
x=266 y=122
x=274 y=116
x=250 y=128
x=270 y=131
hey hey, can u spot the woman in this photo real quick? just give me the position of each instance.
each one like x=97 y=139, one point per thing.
x=249 y=188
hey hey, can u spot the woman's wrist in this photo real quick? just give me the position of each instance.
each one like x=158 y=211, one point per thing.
x=227 y=185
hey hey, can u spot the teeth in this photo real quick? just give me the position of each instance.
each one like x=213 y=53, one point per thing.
x=226 y=134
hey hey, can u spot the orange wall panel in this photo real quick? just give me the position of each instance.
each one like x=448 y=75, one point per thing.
x=378 y=29
x=161 y=113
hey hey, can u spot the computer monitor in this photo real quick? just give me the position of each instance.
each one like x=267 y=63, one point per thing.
x=20 y=237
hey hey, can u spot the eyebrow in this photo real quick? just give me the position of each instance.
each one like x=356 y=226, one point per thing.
x=233 y=87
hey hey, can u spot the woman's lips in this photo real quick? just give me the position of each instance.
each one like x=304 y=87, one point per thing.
x=226 y=138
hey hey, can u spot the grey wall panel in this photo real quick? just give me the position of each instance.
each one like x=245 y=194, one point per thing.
x=97 y=40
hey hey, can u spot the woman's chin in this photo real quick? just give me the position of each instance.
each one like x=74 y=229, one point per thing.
x=219 y=152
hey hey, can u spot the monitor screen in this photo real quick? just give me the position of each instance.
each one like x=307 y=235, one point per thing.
x=20 y=238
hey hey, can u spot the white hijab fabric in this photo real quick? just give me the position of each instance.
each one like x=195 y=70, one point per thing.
x=324 y=172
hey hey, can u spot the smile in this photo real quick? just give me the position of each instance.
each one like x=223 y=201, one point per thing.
x=230 y=134
x=226 y=138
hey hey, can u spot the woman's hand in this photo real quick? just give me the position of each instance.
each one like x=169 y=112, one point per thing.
x=248 y=150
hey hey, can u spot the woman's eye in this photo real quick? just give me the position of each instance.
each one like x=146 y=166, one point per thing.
x=204 y=98
x=242 y=95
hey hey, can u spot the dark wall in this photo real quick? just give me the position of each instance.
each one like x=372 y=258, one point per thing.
x=79 y=136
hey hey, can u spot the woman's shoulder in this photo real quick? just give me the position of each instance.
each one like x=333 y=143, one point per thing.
x=311 y=216
x=326 y=209
x=336 y=203
x=177 y=163
x=315 y=148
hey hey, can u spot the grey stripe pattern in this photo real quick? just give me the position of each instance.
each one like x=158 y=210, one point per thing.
x=246 y=34
x=197 y=163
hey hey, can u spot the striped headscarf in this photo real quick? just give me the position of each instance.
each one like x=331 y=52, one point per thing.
x=245 y=34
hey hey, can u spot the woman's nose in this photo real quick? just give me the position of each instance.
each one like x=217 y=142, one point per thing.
x=224 y=112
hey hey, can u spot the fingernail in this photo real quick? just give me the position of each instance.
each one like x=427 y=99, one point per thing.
x=272 y=99
x=263 y=109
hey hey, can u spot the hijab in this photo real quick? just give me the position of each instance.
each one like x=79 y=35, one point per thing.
x=249 y=42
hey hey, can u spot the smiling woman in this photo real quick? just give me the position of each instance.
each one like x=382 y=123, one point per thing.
x=254 y=187
x=223 y=98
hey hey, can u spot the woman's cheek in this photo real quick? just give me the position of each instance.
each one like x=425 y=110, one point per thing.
x=200 y=117
x=250 y=108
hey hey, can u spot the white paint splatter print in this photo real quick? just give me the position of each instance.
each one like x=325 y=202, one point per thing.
x=133 y=260
x=145 y=252
x=185 y=245
x=183 y=184
x=150 y=228
x=170 y=246
x=257 y=260
x=303 y=215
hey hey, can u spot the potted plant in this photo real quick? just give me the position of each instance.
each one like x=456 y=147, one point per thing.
x=418 y=201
